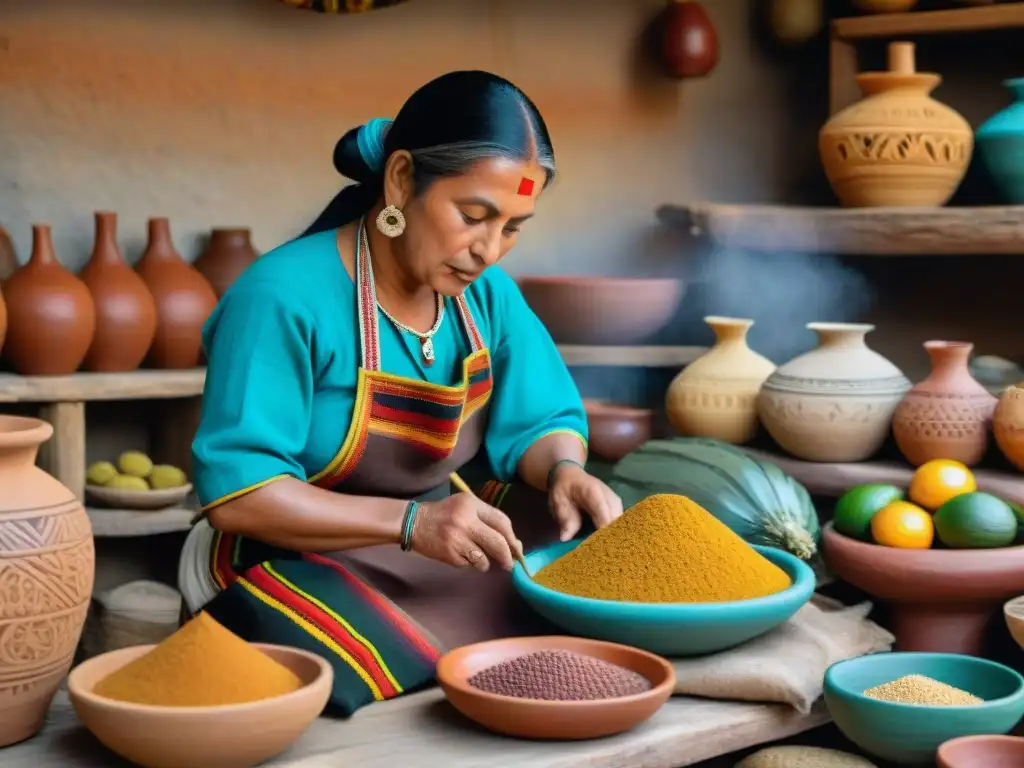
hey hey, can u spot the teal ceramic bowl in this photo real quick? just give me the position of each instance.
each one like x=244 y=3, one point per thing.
x=908 y=734
x=668 y=629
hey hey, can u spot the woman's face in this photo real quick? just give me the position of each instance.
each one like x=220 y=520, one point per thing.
x=464 y=224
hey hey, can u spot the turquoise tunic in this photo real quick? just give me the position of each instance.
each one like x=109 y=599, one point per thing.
x=283 y=351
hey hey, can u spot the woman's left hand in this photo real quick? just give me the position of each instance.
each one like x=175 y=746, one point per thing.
x=574 y=493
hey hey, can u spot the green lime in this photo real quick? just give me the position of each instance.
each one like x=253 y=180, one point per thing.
x=976 y=520
x=858 y=505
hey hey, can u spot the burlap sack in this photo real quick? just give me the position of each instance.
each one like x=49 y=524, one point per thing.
x=788 y=664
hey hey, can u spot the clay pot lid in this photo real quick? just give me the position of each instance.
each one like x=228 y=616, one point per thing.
x=23 y=431
x=987 y=751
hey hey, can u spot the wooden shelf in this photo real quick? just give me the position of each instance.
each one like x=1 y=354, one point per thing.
x=977 y=19
x=85 y=387
x=854 y=231
x=836 y=479
x=122 y=523
x=637 y=357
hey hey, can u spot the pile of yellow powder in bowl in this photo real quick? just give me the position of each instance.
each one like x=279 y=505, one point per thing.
x=923 y=691
x=201 y=665
x=666 y=549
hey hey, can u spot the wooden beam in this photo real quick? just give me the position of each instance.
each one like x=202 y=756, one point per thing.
x=976 y=19
x=79 y=387
x=854 y=231
x=63 y=455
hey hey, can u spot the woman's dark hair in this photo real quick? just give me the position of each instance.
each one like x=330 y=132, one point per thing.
x=447 y=125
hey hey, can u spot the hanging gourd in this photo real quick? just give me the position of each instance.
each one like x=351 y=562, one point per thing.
x=689 y=42
x=342 y=6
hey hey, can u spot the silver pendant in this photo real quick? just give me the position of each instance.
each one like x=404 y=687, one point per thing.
x=427 y=347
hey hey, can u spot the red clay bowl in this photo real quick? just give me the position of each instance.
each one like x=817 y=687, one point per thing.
x=234 y=736
x=982 y=752
x=558 y=720
x=615 y=430
x=602 y=310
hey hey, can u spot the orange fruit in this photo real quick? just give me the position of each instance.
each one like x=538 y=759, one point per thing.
x=903 y=525
x=937 y=481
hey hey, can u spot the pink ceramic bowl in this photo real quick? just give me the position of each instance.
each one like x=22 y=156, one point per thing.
x=602 y=310
x=982 y=752
x=234 y=736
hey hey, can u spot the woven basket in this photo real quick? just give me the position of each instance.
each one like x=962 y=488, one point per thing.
x=137 y=613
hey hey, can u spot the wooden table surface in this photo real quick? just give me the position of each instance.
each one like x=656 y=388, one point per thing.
x=423 y=730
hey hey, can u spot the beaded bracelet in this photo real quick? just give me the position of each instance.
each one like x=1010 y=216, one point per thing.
x=408 y=524
x=557 y=464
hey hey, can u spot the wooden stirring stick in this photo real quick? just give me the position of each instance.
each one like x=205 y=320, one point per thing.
x=463 y=486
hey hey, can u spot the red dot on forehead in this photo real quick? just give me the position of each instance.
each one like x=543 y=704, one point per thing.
x=525 y=187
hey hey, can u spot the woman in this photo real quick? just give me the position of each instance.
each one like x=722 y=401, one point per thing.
x=385 y=331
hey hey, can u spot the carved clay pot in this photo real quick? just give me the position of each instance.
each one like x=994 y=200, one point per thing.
x=225 y=257
x=1008 y=424
x=51 y=317
x=46 y=579
x=615 y=430
x=689 y=42
x=946 y=416
x=897 y=146
x=184 y=300
x=834 y=403
x=125 y=310
x=939 y=600
x=716 y=395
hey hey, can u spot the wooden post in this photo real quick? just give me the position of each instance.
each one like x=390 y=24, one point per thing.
x=842 y=74
x=176 y=422
x=63 y=455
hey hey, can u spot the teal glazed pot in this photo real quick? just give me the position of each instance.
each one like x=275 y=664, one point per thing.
x=909 y=734
x=1000 y=142
x=668 y=629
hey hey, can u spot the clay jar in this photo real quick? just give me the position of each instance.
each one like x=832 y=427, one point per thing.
x=836 y=402
x=716 y=395
x=46 y=578
x=184 y=300
x=125 y=310
x=225 y=257
x=897 y=146
x=1008 y=424
x=689 y=42
x=51 y=315
x=946 y=416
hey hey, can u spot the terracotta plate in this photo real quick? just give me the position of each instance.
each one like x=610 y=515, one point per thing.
x=122 y=498
x=561 y=720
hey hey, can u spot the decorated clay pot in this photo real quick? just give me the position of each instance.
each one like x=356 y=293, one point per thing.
x=1001 y=145
x=836 y=402
x=946 y=416
x=125 y=310
x=716 y=395
x=51 y=317
x=1008 y=424
x=689 y=42
x=225 y=257
x=46 y=579
x=897 y=146
x=184 y=300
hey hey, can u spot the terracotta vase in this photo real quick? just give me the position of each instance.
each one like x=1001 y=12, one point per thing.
x=225 y=257
x=51 y=317
x=689 y=42
x=184 y=300
x=8 y=258
x=834 y=403
x=1008 y=424
x=716 y=395
x=897 y=146
x=46 y=579
x=125 y=310
x=948 y=415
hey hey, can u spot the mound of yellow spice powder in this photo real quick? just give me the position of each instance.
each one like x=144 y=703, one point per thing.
x=666 y=549
x=201 y=665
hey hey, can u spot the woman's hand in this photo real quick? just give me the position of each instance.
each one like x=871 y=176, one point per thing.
x=461 y=530
x=573 y=492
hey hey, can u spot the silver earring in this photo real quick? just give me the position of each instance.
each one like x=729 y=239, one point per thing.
x=390 y=221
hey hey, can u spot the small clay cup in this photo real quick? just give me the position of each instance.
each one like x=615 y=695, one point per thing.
x=234 y=736
x=1013 y=611
x=615 y=430
x=982 y=752
x=557 y=720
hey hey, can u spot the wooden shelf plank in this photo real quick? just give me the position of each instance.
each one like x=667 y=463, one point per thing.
x=79 y=387
x=122 y=523
x=976 y=19
x=854 y=231
x=638 y=357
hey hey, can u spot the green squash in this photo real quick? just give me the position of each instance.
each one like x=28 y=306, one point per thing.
x=754 y=498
